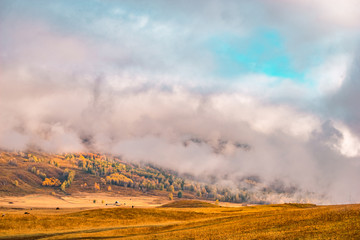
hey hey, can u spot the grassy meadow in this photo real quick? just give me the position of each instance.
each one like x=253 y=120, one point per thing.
x=185 y=220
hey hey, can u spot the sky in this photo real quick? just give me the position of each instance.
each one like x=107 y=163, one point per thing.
x=213 y=88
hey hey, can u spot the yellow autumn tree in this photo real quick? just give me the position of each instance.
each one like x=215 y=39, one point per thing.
x=118 y=179
x=171 y=188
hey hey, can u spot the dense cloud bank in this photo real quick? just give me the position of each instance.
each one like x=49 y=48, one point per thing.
x=145 y=82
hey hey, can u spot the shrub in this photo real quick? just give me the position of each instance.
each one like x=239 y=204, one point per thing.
x=33 y=170
x=171 y=197
x=12 y=162
x=16 y=183
x=42 y=175
x=180 y=194
x=38 y=173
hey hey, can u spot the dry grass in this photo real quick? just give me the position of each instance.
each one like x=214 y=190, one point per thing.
x=189 y=204
x=288 y=221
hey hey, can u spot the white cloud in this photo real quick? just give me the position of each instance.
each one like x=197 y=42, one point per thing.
x=329 y=76
x=349 y=144
x=344 y=13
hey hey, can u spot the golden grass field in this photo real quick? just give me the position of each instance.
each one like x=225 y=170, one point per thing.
x=184 y=220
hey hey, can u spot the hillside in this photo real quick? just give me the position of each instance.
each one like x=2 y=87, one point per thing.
x=188 y=204
x=65 y=174
x=34 y=172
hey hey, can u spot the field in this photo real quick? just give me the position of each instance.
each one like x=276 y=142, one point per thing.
x=184 y=220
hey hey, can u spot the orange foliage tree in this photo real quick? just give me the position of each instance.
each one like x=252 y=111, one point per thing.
x=51 y=182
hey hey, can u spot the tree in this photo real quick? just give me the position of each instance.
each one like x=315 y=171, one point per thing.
x=109 y=188
x=51 y=182
x=217 y=202
x=103 y=181
x=180 y=194
x=118 y=179
x=63 y=186
x=97 y=186
x=171 y=188
x=70 y=177
x=12 y=162
x=171 y=197
x=16 y=183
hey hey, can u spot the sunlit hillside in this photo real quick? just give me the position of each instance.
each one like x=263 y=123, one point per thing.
x=289 y=221
x=65 y=174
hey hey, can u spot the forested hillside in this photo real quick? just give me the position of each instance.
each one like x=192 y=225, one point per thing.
x=58 y=174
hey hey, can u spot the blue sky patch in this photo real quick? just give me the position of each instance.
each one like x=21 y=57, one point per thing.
x=263 y=52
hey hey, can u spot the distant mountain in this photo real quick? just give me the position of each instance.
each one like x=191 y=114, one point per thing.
x=220 y=146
